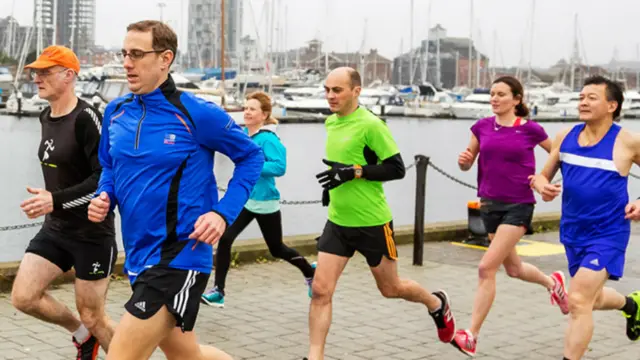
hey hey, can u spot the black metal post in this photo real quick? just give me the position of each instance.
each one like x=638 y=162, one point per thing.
x=422 y=162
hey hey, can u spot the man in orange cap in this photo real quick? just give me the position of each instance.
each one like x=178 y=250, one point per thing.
x=68 y=153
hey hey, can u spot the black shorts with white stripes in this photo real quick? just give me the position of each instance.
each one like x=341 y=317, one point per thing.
x=178 y=290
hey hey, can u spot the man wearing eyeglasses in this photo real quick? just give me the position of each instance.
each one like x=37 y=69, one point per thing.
x=68 y=155
x=157 y=151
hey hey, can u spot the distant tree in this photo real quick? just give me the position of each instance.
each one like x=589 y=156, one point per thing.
x=7 y=60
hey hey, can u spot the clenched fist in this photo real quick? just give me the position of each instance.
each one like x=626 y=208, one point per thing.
x=99 y=207
x=465 y=160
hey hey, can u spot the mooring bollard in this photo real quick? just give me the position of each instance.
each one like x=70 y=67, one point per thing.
x=422 y=162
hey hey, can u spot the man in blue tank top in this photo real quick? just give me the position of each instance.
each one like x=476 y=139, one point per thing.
x=595 y=159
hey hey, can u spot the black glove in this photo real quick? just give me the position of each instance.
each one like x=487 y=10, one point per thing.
x=325 y=197
x=337 y=175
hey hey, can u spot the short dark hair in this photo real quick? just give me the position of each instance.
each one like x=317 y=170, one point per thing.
x=164 y=38
x=613 y=91
x=518 y=91
x=354 y=77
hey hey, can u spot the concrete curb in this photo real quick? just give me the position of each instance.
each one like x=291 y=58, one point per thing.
x=250 y=250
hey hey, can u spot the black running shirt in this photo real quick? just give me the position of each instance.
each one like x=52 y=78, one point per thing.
x=68 y=154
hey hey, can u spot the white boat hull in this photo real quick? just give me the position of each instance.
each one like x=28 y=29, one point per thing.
x=464 y=111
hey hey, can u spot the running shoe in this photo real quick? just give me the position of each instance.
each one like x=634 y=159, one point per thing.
x=559 y=292
x=465 y=342
x=88 y=350
x=633 y=320
x=213 y=297
x=443 y=317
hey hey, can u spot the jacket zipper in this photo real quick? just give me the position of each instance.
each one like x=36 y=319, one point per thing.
x=144 y=113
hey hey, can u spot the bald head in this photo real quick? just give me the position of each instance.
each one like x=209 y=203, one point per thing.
x=342 y=89
x=347 y=75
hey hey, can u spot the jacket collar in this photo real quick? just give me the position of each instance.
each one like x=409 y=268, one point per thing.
x=265 y=128
x=163 y=91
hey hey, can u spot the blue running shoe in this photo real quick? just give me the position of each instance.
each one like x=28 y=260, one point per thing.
x=213 y=298
x=309 y=281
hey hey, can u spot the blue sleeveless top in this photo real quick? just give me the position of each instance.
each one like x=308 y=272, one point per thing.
x=594 y=194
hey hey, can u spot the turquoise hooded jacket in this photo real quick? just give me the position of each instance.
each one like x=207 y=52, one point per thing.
x=275 y=163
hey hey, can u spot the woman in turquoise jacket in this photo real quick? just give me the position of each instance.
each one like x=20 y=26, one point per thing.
x=264 y=202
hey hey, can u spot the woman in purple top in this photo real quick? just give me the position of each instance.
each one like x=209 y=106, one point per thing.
x=505 y=143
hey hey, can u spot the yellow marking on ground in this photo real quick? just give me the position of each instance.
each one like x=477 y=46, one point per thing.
x=526 y=248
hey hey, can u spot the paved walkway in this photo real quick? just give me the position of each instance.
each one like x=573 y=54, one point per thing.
x=266 y=314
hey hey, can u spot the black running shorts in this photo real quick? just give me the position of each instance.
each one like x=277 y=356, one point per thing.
x=91 y=260
x=178 y=290
x=495 y=213
x=371 y=241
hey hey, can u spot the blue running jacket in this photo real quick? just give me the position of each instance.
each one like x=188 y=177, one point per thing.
x=157 y=154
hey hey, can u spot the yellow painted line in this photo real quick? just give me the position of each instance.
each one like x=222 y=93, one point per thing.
x=470 y=246
x=526 y=248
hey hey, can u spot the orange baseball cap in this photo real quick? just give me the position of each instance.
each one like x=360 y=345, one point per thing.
x=56 y=55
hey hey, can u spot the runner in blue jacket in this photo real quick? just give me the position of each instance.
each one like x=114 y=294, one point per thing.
x=157 y=151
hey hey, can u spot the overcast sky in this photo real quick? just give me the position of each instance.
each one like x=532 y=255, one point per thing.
x=604 y=25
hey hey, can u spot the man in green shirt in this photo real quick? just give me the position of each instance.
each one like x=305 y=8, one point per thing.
x=361 y=154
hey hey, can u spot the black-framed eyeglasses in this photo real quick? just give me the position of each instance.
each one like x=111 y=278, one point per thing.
x=135 y=54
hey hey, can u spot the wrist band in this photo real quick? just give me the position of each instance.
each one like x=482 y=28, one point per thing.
x=357 y=169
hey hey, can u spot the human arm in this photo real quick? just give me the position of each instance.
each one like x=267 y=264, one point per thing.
x=380 y=145
x=87 y=132
x=541 y=137
x=218 y=132
x=468 y=157
x=541 y=182
x=87 y=136
x=107 y=184
x=632 y=210
x=546 y=144
x=275 y=163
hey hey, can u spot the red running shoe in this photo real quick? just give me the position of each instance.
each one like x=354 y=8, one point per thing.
x=559 y=293
x=465 y=342
x=445 y=322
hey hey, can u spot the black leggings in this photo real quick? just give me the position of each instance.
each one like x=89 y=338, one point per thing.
x=271 y=228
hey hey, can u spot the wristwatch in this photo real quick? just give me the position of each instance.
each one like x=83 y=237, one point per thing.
x=357 y=169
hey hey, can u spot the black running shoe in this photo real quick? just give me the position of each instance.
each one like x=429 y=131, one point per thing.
x=88 y=350
x=633 y=320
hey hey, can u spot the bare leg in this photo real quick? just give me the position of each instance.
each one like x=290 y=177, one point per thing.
x=184 y=346
x=136 y=339
x=392 y=286
x=90 y=299
x=502 y=244
x=609 y=299
x=526 y=272
x=329 y=268
x=29 y=293
x=586 y=293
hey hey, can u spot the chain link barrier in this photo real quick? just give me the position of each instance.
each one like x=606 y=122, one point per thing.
x=311 y=202
x=470 y=186
x=451 y=177
x=19 y=227
x=220 y=188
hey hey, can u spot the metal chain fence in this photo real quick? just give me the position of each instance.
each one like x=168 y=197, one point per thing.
x=466 y=184
x=313 y=202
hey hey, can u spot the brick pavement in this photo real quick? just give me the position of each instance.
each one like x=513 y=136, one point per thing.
x=266 y=314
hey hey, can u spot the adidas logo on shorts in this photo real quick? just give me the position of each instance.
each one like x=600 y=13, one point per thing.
x=141 y=305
